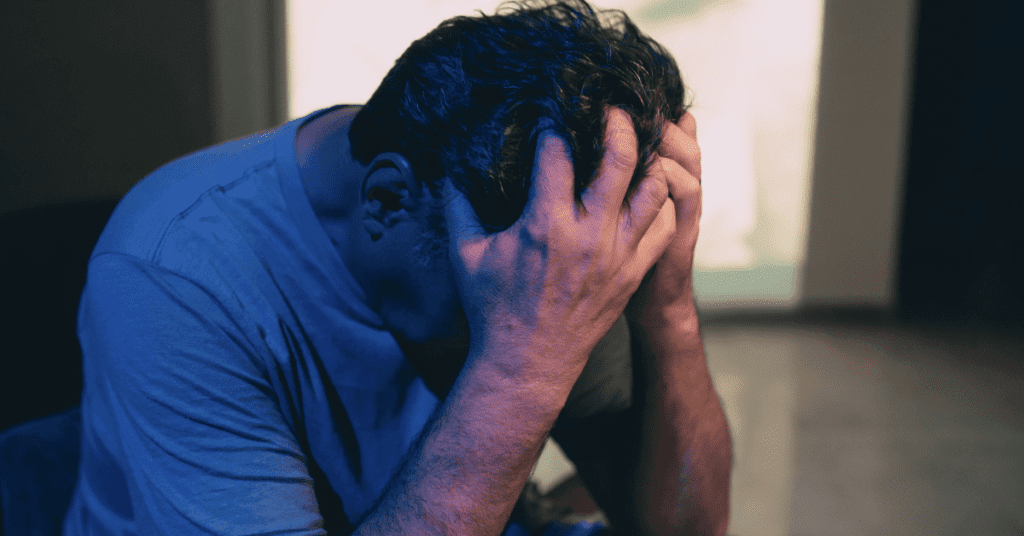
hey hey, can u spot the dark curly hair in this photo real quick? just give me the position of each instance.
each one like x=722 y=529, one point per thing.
x=468 y=100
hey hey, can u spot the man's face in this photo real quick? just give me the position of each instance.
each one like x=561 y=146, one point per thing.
x=427 y=317
x=421 y=301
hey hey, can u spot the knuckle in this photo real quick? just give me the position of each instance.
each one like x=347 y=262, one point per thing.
x=658 y=177
x=689 y=123
x=659 y=192
x=536 y=229
x=620 y=156
x=546 y=226
x=692 y=186
x=620 y=141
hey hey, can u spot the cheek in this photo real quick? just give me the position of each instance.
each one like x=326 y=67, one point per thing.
x=441 y=299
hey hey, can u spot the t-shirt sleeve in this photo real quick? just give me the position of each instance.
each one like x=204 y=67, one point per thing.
x=207 y=448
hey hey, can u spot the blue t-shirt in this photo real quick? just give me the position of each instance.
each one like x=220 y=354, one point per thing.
x=234 y=380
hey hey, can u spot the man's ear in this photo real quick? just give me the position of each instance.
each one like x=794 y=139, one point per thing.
x=390 y=193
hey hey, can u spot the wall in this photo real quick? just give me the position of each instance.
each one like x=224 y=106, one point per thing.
x=248 y=66
x=96 y=95
x=962 y=249
x=859 y=158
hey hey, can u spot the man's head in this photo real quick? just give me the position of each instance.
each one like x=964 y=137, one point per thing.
x=467 y=101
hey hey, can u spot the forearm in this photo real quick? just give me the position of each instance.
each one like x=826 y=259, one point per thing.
x=467 y=470
x=684 y=459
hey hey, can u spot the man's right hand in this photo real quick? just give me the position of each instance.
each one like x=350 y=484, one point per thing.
x=541 y=294
x=538 y=297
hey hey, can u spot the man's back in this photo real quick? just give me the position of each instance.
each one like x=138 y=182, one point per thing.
x=511 y=186
x=231 y=380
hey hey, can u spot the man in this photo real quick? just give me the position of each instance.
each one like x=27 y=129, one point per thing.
x=369 y=320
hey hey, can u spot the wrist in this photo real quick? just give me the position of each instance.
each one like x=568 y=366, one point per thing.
x=503 y=382
x=668 y=342
x=536 y=364
x=678 y=320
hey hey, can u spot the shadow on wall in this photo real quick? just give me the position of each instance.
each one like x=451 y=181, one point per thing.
x=962 y=250
x=44 y=252
x=97 y=95
x=94 y=97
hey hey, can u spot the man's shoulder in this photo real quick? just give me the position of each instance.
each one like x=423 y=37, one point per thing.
x=146 y=213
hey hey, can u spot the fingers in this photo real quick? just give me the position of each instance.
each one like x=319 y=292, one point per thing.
x=608 y=191
x=683 y=187
x=465 y=234
x=656 y=215
x=656 y=239
x=689 y=125
x=647 y=203
x=459 y=214
x=680 y=145
x=552 y=185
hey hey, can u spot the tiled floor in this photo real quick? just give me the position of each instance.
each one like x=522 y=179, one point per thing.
x=868 y=429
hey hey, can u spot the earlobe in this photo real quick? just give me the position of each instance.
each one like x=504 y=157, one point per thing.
x=373 y=227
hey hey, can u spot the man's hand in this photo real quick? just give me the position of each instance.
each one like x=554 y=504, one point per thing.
x=542 y=293
x=667 y=291
x=538 y=297
x=678 y=474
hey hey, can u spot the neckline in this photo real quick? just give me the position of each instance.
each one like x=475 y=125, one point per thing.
x=312 y=230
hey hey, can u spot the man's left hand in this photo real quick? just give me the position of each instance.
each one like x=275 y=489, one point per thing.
x=667 y=291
